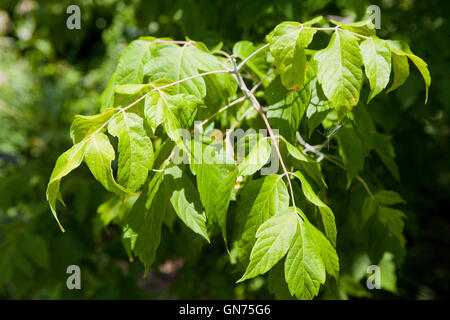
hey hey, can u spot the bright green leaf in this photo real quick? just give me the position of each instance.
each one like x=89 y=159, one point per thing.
x=274 y=238
x=135 y=149
x=377 y=62
x=260 y=199
x=339 y=71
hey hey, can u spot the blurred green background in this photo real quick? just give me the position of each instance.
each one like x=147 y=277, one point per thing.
x=49 y=73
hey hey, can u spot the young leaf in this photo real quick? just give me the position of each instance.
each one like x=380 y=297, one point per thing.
x=377 y=62
x=135 y=149
x=82 y=126
x=185 y=200
x=287 y=44
x=339 y=71
x=66 y=162
x=365 y=27
x=326 y=213
x=98 y=156
x=274 y=238
x=260 y=199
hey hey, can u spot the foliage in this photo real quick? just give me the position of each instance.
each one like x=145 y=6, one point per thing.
x=56 y=73
x=161 y=86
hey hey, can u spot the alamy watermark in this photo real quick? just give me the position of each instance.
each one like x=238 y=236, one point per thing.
x=374 y=280
x=250 y=147
x=74 y=20
x=375 y=15
x=74 y=280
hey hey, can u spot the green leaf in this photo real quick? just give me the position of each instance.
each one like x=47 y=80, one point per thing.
x=285 y=115
x=326 y=213
x=98 y=156
x=287 y=44
x=339 y=71
x=260 y=152
x=365 y=27
x=175 y=112
x=215 y=185
x=144 y=221
x=385 y=150
x=313 y=21
x=388 y=197
x=127 y=94
x=402 y=49
x=393 y=219
x=306 y=164
x=327 y=253
x=185 y=200
x=135 y=149
x=365 y=127
x=377 y=62
x=274 y=238
x=276 y=283
x=83 y=126
x=400 y=67
x=132 y=89
x=388 y=278
x=106 y=99
x=304 y=268
x=66 y=162
x=351 y=151
x=368 y=209
x=130 y=68
x=260 y=199
x=115 y=209
x=175 y=63
x=318 y=107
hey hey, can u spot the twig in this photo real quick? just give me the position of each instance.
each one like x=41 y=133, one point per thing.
x=239 y=67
